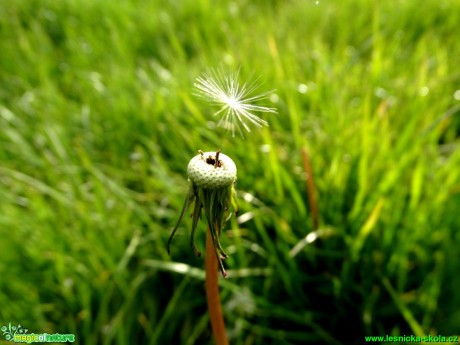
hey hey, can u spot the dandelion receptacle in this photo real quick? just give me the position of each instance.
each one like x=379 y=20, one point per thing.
x=212 y=177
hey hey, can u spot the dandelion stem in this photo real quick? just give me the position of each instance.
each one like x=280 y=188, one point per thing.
x=212 y=293
x=310 y=186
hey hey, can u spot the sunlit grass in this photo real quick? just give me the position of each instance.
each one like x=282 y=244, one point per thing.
x=98 y=121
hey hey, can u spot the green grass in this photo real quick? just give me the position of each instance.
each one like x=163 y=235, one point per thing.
x=98 y=122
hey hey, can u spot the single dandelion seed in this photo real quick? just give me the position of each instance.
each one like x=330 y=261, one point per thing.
x=236 y=101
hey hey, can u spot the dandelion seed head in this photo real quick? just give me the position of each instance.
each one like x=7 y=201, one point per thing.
x=235 y=100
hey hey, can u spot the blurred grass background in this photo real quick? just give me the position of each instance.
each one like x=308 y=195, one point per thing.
x=98 y=123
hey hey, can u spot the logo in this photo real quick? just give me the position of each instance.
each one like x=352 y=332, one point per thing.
x=18 y=334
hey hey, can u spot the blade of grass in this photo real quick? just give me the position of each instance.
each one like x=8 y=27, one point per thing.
x=405 y=311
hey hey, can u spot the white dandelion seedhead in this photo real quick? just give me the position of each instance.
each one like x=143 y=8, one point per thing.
x=236 y=101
